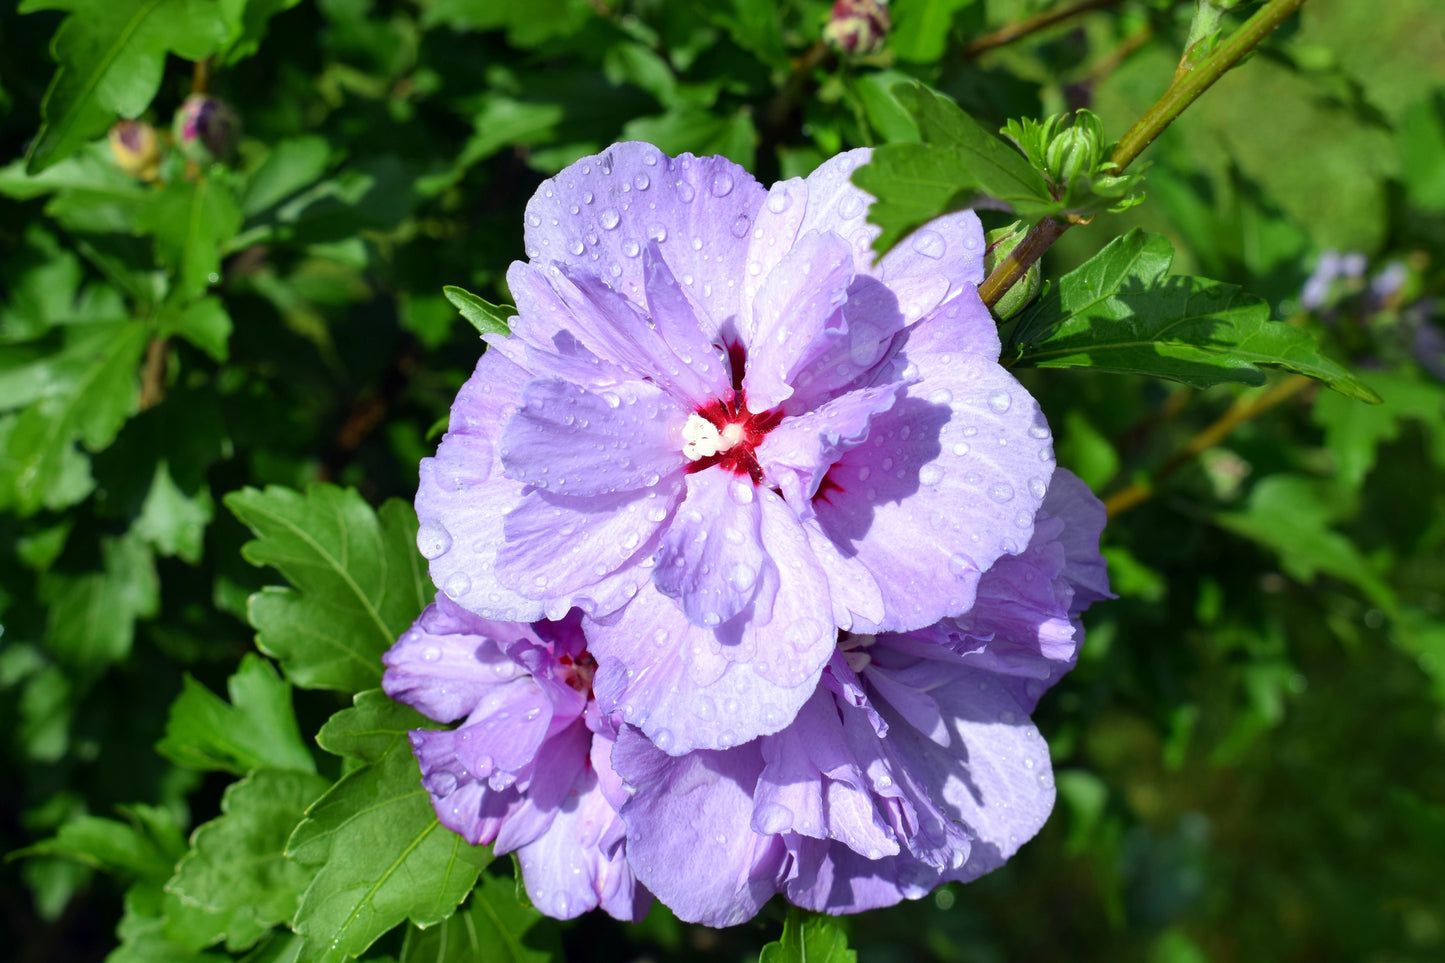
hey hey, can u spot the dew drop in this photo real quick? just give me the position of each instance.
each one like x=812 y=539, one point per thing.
x=741 y=491
x=999 y=401
x=631 y=248
x=851 y=206
x=575 y=247
x=657 y=232
x=722 y=184
x=930 y=474
x=431 y=653
x=609 y=219
x=772 y=818
x=684 y=192
x=960 y=448
x=930 y=244
x=703 y=708
x=740 y=226
x=433 y=540
x=941 y=397
x=457 y=585
x=641 y=182
x=1037 y=487
x=1000 y=492
x=663 y=739
x=1039 y=431
x=778 y=201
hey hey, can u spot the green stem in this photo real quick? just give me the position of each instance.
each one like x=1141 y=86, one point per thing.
x=1185 y=90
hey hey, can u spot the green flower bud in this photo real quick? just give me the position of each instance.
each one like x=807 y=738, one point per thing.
x=206 y=129
x=136 y=148
x=1075 y=150
x=998 y=244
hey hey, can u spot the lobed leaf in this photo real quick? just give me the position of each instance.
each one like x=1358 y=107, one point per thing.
x=256 y=728
x=809 y=938
x=356 y=580
x=383 y=855
x=494 y=926
x=1119 y=312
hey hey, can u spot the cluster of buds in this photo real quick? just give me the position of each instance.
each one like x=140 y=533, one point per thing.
x=205 y=131
x=858 y=26
x=1075 y=158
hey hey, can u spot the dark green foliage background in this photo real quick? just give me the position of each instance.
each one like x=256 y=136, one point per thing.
x=1249 y=756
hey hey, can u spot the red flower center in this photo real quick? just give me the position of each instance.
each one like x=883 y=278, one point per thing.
x=724 y=432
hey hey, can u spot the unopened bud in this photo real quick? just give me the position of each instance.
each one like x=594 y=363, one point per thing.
x=136 y=149
x=206 y=129
x=998 y=244
x=858 y=26
x=1075 y=150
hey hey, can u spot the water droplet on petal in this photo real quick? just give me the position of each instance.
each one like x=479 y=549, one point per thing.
x=641 y=182
x=457 y=585
x=609 y=219
x=684 y=192
x=779 y=199
x=722 y=184
x=1037 y=487
x=663 y=739
x=740 y=226
x=999 y=401
x=433 y=540
x=930 y=474
x=930 y=244
x=850 y=206
x=960 y=448
x=631 y=248
x=772 y=818
x=941 y=397
x=1000 y=492
x=703 y=708
x=431 y=653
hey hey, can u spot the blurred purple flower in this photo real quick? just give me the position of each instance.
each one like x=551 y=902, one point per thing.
x=528 y=769
x=914 y=763
x=723 y=433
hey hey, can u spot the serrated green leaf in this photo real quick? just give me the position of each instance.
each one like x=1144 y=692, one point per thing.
x=191 y=222
x=921 y=28
x=1291 y=515
x=486 y=317
x=204 y=323
x=237 y=871
x=357 y=580
x=1354 y=433
x=959 y=161
x=809 y=938
x=172 y=521
x=1118 y=312
x=92 y=617
x=86 y=394
x=384 y=858
x=143 y=931
x=256 y=728
x=145 y=847
x=370 y=728
x=494 y=926
x=111 y=54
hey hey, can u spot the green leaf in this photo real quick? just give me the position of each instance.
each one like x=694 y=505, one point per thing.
x=111 y=54
x=256 y=728
x=145 y=847
x=173 y=522
x=1291 y=516
x=290 y=166
x=191 y=222
x=959 y=161
x=1354 y=432
x=86 y=393
x=921 y=27
x=92 y=617
x=237 y=871
x=1119 y=312
x=809 y=938
x=204 y=323
x=494 y=926
x=367 y=731
x=246 y=23
x=357 y=580
x=383 y=855
x=486 y=317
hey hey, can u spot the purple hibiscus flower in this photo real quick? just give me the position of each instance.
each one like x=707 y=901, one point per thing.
x=913 y=763
x=528 y=770
x=722 y=432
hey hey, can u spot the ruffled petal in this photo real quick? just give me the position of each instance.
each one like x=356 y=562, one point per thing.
x=570 y=441
x=599 y=213
x=949 y=480
x=711 y=557
x=589 y=553
x=688 y=686
x=1083 y=515
x=689 y=838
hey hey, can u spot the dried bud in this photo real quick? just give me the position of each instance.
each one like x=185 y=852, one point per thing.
x=136 y=149
x=858 y=26
x=206 y=129
x=998 y=243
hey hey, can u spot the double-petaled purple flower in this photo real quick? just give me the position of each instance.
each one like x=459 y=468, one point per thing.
x=913 y=762
x=528 y=769
x=723 y=434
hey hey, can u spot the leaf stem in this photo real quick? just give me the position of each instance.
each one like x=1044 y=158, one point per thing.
x=1039 y=21
x=1185 y=90
x=1243 y=410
